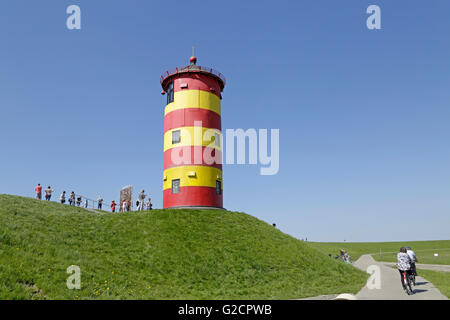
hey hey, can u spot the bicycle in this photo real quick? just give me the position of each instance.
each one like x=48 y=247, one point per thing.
x=412 y=275
x=407 y=282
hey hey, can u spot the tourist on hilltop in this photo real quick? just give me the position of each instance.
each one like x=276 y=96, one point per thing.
x=100 y=203
x=79 y=201
x=62 y=198
x=125 y=206
x=72 y=198
x=113 y=206
x=141 y=200
x=48 y=193
x=38 y=190
x=149 y=203
x=86 y=203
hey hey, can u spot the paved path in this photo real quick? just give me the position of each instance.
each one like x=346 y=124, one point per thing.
x=432 y=267
x=92 y=210
x=391 y=288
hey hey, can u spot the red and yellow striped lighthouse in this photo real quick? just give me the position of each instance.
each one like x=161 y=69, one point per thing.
x=192 y=137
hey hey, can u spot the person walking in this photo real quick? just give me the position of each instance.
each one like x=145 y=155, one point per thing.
x=72 y=199
x=79 y=201
x=141 y=201
x=48 y=193
x=38 y=190
x=113 y=206
x=149 y=203
x=86 y=203
x=100 y=203
x=62 y=198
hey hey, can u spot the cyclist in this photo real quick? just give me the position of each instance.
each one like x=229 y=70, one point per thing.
x=414 y=259
x=404 y=266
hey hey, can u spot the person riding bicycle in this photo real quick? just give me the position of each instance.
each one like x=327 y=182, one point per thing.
x=403 y=265
x=414 y=259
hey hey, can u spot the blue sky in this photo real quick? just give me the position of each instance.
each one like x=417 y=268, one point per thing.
x=363 y=114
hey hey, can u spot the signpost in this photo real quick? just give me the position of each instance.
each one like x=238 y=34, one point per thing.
x=126 y=194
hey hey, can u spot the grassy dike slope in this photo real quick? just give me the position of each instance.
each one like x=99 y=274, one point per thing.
x=165 y=254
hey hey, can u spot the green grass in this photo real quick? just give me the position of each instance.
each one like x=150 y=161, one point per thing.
x=440 y=279
x=424 y=255
x=163 y=254
x=424 y=250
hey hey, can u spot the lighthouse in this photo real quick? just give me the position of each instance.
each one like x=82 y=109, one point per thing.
x=192 y=175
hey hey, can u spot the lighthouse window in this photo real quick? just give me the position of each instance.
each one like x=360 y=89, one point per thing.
x=218 y=187
x=170 y=93
x=176 y=136
x=176 y=186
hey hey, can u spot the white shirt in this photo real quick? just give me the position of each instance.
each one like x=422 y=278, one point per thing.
x=403 y=261
x=412 y=255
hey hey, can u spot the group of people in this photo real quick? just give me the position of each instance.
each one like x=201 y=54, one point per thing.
x=345 y=256
x=141 y=205
x=406 y=264
x=73 y=199
x=48 y=192
x=76 y=200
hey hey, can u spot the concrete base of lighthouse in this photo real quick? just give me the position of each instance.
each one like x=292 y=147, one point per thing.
x=197 y=208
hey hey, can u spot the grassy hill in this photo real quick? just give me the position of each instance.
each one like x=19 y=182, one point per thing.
x=424 y=250
x=163 y=254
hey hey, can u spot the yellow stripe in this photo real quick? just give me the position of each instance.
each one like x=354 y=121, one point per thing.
x=204 y=176
x=194 y=99
x=193 y=136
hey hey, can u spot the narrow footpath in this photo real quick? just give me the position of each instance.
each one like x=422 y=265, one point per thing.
x=391 y=288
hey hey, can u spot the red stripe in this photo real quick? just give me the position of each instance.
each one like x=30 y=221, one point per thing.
x=196 y=81
x=172 y=156
x=193 y=196
x=187 y=117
